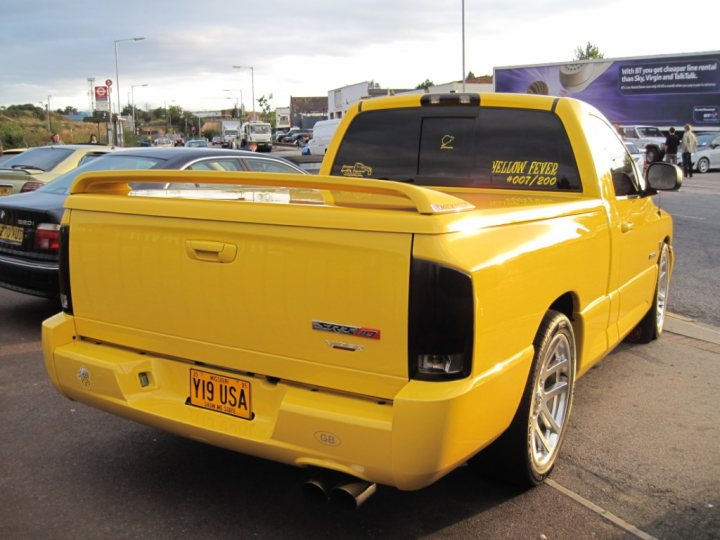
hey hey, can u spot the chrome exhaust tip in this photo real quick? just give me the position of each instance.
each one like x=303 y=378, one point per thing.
x=317 y=489
x=353 y=494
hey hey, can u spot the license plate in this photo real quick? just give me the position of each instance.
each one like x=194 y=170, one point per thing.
x=9 y=233
x=220 y=393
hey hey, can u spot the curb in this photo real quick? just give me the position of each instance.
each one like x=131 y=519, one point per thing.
x=677 y=324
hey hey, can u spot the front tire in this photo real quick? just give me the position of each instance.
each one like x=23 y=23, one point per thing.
x=526 y=453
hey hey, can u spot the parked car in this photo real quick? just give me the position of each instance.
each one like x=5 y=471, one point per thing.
x=38 y=166
x=197 y=143
x=30 y=222
x=217 y=141
x=647 y=138
x=707 y=156
x=637 y=155
x=322 y=134
x=163 y=142
x=298 y=137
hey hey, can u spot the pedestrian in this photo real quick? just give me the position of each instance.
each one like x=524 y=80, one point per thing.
x=672 y=141
x=93 y=139
x=689 y=146
x=55 y=139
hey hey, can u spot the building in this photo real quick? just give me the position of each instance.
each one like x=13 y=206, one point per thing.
x=305 y=111
x=340 y=99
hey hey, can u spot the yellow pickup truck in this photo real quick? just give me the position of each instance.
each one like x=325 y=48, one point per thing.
x=434 y=305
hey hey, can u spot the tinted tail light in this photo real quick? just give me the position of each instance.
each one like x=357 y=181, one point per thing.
x=65 y=293
x=30 y=186
x=441 y=322
x=47 y=236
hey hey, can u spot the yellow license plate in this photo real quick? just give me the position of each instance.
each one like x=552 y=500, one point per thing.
x=220 y=393
x=12 y=234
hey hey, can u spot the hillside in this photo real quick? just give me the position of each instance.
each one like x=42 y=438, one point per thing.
x=25 y=128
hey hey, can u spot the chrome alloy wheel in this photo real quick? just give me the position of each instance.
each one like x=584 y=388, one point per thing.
x=551 y=403
x=663 y=286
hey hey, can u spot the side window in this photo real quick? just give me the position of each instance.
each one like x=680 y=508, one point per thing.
x=216 y=164
x=262 y=165
x=612 y=157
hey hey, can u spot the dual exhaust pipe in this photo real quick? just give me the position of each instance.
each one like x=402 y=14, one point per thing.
x=347 y=492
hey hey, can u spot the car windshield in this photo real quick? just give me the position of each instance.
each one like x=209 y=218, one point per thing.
x=45 y=158
x=260 y=129
x=109 y=162
x=650 y=132
x=704 y=139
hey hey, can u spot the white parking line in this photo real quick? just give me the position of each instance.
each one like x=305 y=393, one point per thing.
x=601 y=511
x=688 y=217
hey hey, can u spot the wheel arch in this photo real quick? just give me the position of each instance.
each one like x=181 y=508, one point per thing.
x=567 y=304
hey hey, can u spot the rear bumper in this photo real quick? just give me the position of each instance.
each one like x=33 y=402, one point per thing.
x=39 y=278
x=424 y=433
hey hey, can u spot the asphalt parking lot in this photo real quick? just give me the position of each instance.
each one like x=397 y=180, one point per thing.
x=640 y=461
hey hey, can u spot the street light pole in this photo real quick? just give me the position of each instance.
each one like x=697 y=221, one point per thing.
x=463 y=45
x=117 y=76
x=132 y=97
x=48 y=112
x=252 y=82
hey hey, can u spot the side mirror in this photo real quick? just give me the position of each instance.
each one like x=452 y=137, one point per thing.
x=664 y=176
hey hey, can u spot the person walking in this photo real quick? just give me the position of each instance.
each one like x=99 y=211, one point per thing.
x=55 y=139
x=672 y=142
x=689 y=146
x=93 y=139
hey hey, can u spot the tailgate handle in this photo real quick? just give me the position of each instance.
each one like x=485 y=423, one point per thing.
x=210 y=251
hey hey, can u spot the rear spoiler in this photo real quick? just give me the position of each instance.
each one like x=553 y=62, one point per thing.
x=426 y=201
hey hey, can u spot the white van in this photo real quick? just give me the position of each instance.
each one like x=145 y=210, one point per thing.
x=323 y=132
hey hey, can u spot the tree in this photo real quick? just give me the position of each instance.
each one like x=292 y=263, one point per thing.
x=591 y=52
x=266 y=108
x=425 y=85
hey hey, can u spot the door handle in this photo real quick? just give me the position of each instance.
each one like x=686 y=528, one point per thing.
x=626 y=226
x=210 y=251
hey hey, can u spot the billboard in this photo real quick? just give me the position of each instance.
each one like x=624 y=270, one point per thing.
x=669 y=90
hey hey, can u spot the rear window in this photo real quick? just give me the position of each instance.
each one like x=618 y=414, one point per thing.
x=45 y=158
x=107 y=162
x=460 y=147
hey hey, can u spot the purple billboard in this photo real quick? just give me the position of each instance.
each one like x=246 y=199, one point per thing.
x=667 y=90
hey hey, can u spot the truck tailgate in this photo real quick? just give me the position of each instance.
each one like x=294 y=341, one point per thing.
x=298 y=303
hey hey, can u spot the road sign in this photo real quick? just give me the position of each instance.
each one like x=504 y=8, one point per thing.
x=108 y=82
x=101 y=98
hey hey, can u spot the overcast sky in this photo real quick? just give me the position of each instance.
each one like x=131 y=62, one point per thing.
x=307 y=47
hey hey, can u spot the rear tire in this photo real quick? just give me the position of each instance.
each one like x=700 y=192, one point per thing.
x=652 y=155
x=651 y=326
x=526 y=453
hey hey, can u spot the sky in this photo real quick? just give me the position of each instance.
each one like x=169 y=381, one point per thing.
x=306 y=48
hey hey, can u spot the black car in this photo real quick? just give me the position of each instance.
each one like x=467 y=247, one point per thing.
x=30 y=222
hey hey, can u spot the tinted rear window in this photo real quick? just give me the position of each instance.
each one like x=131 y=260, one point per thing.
x=45 y=158
x=460 y=147
x=107 y=162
